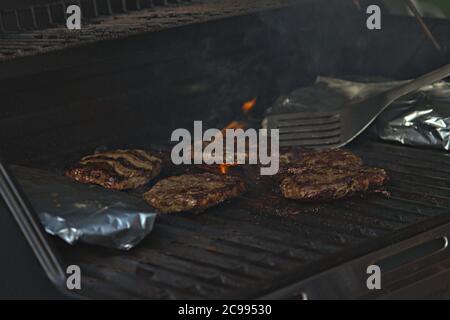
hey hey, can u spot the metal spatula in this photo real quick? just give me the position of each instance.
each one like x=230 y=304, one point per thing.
x=334 y=129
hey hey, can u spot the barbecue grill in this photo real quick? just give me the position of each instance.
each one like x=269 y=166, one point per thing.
x=137 y=70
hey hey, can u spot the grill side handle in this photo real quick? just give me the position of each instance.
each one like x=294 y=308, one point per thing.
x=407 y=270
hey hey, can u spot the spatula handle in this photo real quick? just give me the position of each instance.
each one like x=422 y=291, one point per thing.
x=418 y=83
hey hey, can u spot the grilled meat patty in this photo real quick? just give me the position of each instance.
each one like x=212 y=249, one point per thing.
x=302 y=158
x=193 y=192
x=120 y=169
x=326 y=175
x=325 y=184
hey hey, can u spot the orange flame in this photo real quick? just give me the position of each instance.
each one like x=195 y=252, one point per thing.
x=223 y=168
x=247 y=106
x=236 y=125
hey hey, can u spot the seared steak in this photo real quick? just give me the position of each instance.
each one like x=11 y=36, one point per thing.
x=120 y=169
x=193 y=192
x=325 y=184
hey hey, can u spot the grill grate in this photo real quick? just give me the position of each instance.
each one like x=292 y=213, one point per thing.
x=241 y=248
x=39 y=29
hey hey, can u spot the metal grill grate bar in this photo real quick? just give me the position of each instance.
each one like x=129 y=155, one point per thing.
x=112 y=19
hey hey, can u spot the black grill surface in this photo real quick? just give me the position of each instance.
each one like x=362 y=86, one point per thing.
x=249 y=246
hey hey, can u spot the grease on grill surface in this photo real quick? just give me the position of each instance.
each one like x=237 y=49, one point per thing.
x=120 y=169
x=193 y=192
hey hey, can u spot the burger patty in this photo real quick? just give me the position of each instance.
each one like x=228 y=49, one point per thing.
x=326 y=175
x=298 y=160
x=302 y=159
x=193 y=192
x=325 y=184
x=119 y=170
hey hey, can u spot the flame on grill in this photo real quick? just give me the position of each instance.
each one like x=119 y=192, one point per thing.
x=235 y=125
x=248 y=106
x=223 y=168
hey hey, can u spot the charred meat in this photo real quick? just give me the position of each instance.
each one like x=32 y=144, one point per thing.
x=326 y=184
x=302 y=159
x=193 y=192
x=119 y=170
x=326 y=175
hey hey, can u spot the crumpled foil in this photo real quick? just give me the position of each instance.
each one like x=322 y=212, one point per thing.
x=425 y=122
x=416 y=126
x=418 y=119
x=78 y=212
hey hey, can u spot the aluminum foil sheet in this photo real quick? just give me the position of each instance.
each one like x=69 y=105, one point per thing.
x=419 y=119
x=77 y=212
x=420 y=125
x=328 y=94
